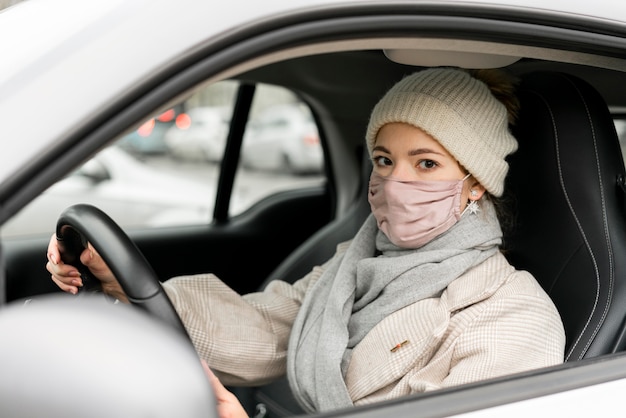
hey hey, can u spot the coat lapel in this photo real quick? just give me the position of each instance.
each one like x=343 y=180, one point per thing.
x=418 y=329
x=400 y=342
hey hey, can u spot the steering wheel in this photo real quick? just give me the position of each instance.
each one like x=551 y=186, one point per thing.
x=84 y=223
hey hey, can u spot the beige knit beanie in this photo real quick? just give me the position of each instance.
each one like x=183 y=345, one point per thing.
x=457 y=110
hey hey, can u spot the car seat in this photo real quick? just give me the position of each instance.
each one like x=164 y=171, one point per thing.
x=567 y=180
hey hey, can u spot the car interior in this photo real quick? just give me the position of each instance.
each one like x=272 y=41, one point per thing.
x=566 y=186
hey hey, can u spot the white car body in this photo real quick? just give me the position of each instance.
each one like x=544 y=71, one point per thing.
x=73 y=49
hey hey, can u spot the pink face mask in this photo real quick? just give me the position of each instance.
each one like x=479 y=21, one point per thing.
x=412 y=213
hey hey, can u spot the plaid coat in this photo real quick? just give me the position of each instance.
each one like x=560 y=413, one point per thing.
x=492 y=320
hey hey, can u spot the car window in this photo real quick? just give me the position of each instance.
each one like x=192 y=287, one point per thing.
x=281 y=148
x=165 y=172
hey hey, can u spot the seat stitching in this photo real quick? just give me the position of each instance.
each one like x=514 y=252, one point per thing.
x=604 y=222
x=569 y=204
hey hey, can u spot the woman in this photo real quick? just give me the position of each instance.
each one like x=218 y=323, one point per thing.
x=420 y=299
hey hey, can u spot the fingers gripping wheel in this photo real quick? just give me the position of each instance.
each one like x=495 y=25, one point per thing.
x=83 y=223
x=71 y=244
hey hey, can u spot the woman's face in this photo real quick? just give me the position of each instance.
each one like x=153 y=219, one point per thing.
x=407 y=153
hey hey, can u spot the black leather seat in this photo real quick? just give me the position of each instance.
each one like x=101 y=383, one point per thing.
x=567 y=181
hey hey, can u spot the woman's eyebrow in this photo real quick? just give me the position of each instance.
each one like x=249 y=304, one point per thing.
x=411 y=153
x=419 y=151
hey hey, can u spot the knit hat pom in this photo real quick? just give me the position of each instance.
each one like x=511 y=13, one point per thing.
x=461 y=112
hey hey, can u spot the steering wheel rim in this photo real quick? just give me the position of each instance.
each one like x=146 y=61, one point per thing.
x=126 y=261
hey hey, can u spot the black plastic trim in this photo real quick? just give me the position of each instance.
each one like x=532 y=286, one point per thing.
x=228 y=168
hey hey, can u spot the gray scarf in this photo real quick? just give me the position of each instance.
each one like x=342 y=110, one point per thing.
x=359 y=289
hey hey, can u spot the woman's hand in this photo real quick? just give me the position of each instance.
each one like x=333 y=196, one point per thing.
x=228 y=405
x=67 y=277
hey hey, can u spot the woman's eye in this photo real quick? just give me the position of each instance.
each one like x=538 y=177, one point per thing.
x=427 y=164
x=382 y=161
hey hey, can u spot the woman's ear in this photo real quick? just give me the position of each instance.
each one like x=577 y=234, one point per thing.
x=476 y=190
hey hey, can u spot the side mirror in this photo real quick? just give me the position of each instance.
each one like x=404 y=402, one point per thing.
x=110 y=360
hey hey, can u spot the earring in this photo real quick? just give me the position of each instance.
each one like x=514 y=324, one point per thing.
x=473 y=192
x=472 y=207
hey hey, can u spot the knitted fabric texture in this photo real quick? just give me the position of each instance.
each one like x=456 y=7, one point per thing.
x=360 y=290
x=457 y=110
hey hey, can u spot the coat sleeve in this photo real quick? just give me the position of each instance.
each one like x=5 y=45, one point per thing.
x=243 y=338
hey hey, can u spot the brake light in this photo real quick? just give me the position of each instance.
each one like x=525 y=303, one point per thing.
x=311 y=139
x=167 y=116
x=183 y=121
x=146 y=128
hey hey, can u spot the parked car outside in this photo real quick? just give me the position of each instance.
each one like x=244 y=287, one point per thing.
x=199 y=134
x=149 y=137
x=283 y=138
x=131 y=192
